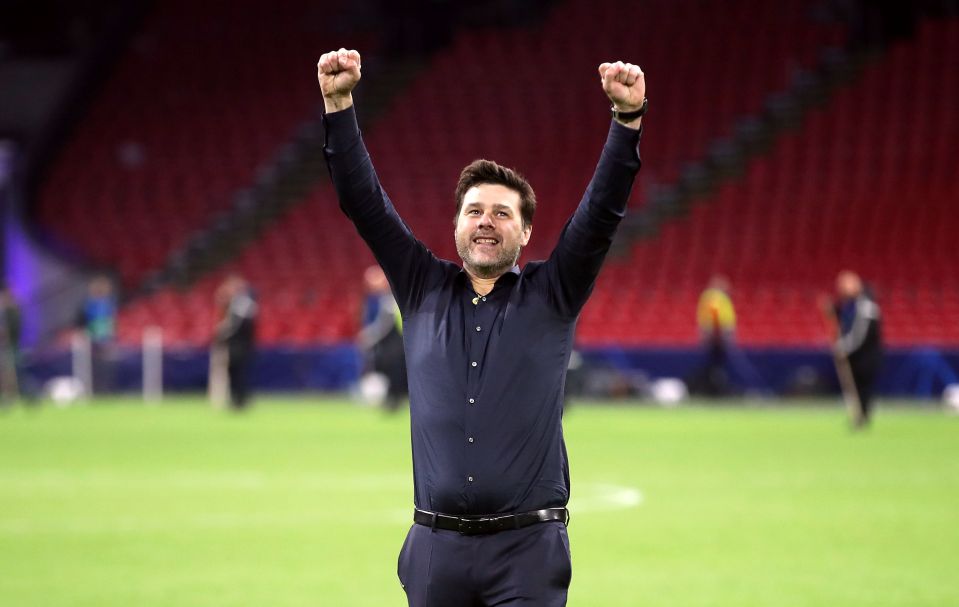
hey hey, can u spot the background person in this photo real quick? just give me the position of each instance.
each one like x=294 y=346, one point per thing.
x=381 y=337
x=716 y=318
x=97 y=318
x=860 y=338
x=236 y=333
x=10 y=328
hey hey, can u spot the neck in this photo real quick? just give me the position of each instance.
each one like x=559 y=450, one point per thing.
x=481 y=285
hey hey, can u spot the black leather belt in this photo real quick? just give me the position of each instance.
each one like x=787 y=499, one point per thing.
x=488 y=523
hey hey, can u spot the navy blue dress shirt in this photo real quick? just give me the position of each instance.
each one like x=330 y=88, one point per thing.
x=486 y=379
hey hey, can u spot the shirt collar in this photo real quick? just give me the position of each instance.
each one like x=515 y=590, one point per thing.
x=508 y=277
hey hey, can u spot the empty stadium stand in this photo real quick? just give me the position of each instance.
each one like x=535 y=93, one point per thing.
x=836 y=193
x=529 y=112
x=206 y=95
x=158 y=159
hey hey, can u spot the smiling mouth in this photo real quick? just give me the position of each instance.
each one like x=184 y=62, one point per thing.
x=482 y=240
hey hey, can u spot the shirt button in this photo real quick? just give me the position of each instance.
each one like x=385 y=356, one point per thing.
x=470 y=439
x=472 y=401
x=473 y=364
x=484 y=298
x=469 y=479
x=479 y=328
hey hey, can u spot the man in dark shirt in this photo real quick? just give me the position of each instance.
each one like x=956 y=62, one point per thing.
x=487 y=346
x=236 y=333
x=860 y=339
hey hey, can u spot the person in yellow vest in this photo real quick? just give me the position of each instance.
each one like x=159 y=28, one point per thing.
x=717 y=326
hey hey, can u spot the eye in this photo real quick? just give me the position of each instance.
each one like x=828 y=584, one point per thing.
x=503 y=214
x=472 y=212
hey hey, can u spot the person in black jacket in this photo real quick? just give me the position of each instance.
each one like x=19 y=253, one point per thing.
x=237 y=332
x=860 y=338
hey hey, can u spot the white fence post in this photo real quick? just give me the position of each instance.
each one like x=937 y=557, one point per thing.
x=82 y=362
x=152 y=364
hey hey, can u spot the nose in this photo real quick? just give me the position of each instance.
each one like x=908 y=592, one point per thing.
x=486 y=220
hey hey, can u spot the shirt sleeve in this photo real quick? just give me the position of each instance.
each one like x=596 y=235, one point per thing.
x=380 y=327
x=867 y=312
x=407 y=263
x=587 y=236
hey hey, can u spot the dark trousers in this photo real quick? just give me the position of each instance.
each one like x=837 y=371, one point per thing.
x=865 y=370
x=712 y=379
x=390 y=360
x=238 y=369
x=103 y=360
x=528 y=566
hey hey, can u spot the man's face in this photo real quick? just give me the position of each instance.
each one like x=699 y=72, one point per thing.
x=848 y=285
x=489 y=230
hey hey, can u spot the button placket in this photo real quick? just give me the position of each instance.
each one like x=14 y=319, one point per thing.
x=478 y=320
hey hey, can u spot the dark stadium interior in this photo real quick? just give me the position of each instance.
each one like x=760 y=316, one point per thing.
x=171 y=143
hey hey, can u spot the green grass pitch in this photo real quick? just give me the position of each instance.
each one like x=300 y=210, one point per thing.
x=306 y=501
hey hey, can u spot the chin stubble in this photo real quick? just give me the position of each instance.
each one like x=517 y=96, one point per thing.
x=501 y=264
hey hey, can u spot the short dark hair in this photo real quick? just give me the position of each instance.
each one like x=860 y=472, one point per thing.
x=481 y=171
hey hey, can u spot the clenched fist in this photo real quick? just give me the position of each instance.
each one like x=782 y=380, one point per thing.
x=338 y=73
x=624 y=84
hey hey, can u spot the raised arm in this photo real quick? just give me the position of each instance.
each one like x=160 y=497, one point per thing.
x=587 y=236
x=406 y=262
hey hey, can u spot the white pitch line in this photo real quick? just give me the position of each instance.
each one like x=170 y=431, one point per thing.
x=587 y=498
x=603 y=497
